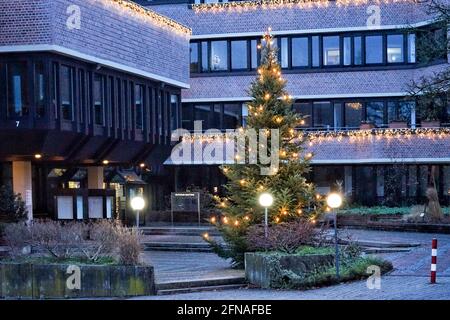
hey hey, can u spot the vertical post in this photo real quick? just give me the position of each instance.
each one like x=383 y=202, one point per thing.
x=95 y=178
x=336 y=247
x=266 y=223
x=137 y=220
x=198 y=206
x=433 y=260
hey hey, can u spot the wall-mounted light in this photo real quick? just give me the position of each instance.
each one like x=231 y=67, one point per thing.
x=38 y=156
x=105 y=162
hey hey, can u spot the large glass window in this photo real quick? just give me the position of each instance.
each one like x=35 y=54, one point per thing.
x=375 y=112
x=284 y=53
x=187 y=121
x=323 y=115
x=300 y=52
x=231 y=115
x=395 y=45
x=194 y=57
x=219 y=56
x=139 y=106
x=67 y=96
x=18 y=103
x=216 y=122
x=315 y=51
x=331 y=51
x=347 y=51
x=374 y=49
x=40 y=88
x=353 y=114
x=99 y=99
x=239 y=55
x=357 y=50
x=82 y=95
x=400 y=111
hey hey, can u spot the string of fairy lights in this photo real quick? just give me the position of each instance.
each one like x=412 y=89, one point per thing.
x=154 y=17
x=240 y=6
x=379 y=133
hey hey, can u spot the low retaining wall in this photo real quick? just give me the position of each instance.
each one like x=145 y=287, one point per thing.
x=263 y=270
x=391 y=223
x=54 y=281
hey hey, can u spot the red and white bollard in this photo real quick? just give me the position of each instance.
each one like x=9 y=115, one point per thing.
x=433 y=260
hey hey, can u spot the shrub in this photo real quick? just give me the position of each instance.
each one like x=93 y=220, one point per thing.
x=92 y=241
x=11 y=205
x=285 y=237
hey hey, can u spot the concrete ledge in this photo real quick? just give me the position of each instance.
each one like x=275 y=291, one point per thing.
x=49 y=281
x=264 y=270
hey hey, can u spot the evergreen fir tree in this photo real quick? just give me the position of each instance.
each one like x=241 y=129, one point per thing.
x=295 y=198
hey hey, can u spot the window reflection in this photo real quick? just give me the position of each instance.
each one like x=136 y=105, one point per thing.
x=375 y=113
x=40 y=88
x=239 y=55
x=219 y=56
x=284 y=53
x=231 y=116
x=304 y=110
x=139 y=104
x=194 y=57
x=99 y=99
x=67 y=100
x=353 y=112
x=315 y=51
x=331 y=51
x=300 y=52
x=18 y=104
x=347 y=51
x=374 y=49
x=323 y=114
x=395 y=48
x=357 y=50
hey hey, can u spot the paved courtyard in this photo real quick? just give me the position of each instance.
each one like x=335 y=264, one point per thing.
x=409 y=280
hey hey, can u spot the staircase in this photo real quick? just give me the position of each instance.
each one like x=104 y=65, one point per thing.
x=182 y=239
x=232 y=283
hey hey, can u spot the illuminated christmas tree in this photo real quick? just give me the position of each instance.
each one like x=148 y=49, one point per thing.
x=294 y=197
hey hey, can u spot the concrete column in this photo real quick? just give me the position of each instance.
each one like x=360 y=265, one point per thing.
x=95 y=177
x=23 y=184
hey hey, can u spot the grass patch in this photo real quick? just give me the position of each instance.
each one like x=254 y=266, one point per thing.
x=382 y=210
x=350 y=271
x=308 y=250
x=52 y=260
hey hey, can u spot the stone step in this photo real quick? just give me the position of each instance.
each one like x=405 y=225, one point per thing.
x=176 y=246
x=200 y=285
x=201 y=289
x=374 y=250
x=180 y=231
x=380 y=244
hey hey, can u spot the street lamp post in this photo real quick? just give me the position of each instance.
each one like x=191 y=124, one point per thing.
x=334 y=201
x=137 y=204
x=266 y=200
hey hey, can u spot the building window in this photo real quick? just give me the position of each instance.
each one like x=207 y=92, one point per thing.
x=216 y=121
x=284 y=53
x=357 y=51
x=375 y=113
x=353 y=114
x=305 y=111
x=18 y=104
x=374 y=49
x=300 y=52
x=205 y=63
x=186 y=116
x=347 y=51
x=99 y=99
x=315 y=51
x=395 y=51
x=139 y=106
x=411 y=48
x=82 y=95
x=323 y=115
x=219 y=56
x=254 y=54
x=400 y=111
x=173 y=112
x=331 y=51
x=194 y=57
x=231 y=115
x=202 y=113
x=40 y=84
x=67 y=96
x=239 y=58
x=244 y=114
